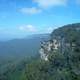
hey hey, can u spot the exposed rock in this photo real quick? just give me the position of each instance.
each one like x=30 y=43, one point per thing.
x=62 y=39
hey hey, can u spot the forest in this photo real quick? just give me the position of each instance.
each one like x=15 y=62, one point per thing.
x=62 y=64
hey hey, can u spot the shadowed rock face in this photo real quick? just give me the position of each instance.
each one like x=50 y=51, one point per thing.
x=61 y=40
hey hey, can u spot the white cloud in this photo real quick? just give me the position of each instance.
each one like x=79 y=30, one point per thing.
x=49 y=29
x=32 y=10
x=50 y=3
x=41 y=5
x=28 y=28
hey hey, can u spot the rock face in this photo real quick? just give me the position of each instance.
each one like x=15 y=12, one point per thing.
x=55 y=44
x=48 y=46
x=61 y=40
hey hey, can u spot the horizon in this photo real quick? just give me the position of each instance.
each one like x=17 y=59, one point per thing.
x=24 y=37
x=21 y=18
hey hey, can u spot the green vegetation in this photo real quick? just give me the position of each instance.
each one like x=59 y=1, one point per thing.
x=60 y=66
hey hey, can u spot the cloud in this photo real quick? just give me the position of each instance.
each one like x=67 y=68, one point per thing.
x=49 y=3
x=32 y=10
x=28 y=28
x=49 y=29
x=41 y=5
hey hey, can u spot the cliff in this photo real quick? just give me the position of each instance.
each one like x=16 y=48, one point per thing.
x=63 y=39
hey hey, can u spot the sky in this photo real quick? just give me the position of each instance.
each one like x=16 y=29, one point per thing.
x=20 y=18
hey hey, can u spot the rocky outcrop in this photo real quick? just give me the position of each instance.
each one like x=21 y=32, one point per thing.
x=47 y=47
x=62 y=39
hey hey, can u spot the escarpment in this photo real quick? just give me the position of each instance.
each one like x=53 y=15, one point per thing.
x=62 y=40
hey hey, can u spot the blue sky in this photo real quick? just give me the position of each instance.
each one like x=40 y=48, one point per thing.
x=19 y=18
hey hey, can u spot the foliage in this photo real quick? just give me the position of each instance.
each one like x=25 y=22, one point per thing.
x=60 y=66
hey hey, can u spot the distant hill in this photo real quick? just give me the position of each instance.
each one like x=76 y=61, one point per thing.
x=20 y=48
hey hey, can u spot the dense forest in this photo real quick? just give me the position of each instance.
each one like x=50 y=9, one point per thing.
x=62 y=64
